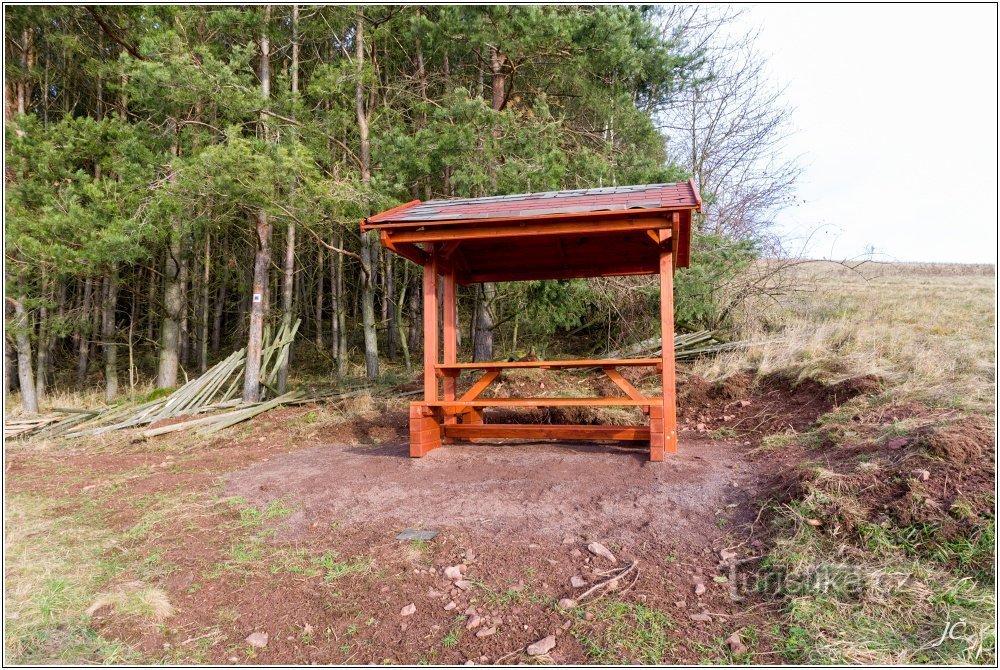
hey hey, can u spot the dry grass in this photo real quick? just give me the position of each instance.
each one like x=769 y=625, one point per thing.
x=53 y=568
x=135 y=599
x=74 y=397
x=928 y=330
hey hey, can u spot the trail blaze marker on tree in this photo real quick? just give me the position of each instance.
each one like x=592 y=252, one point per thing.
x=626 y=230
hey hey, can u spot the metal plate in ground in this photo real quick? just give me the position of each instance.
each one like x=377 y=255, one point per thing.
x=411 y=534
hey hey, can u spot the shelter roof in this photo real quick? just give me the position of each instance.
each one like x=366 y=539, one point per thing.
x=553 y=235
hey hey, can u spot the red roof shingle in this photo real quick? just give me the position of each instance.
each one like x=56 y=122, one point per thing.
x=584 y=201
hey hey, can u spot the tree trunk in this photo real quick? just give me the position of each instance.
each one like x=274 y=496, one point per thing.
x=368 y=306
x=262 y=259
x=335 y=259
x=220 y=299
x=483 y=343
x=288 y=293
x=368 y=240
x=60 y=316
x=85 y=324
x=400 y=335
x=392 y=335
x=485 y=321
x=154 y=289
x=22 y=334
x=173 y=302
x=108 y=336
x=415 y=312
x=44 y=343
x=287 y=296
x=341 y=314
x=203 y=321
x=320 y=276
x=185 y=327
x=8 y=359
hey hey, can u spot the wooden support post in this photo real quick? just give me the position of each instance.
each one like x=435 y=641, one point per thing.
x=450 y=335
x=425 y=430
x=668 y=443
x=430 y=326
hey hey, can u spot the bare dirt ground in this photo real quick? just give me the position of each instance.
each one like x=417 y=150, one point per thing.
x=533 y=491
x=288 y=528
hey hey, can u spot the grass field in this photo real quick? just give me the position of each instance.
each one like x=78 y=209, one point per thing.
x=877 y=565
x=928 y=333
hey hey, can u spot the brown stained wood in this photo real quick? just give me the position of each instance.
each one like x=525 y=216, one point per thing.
x=408 y=251
x=509 y=242
x=450 y=335
x=458 y=405
x=545 y=365
x=481 y=385
x=522 y=230
x=655 y=236
x=546 y=432
x=430 y=325
x=683 y=243
x=565 y=273
x=448 y=248
x=624 y=384
x=667 y=372
x=389 y=212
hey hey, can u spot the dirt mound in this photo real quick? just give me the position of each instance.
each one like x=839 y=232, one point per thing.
x=961 y=441
x=734 y=387
x=695 y=390
x=775 y=406
x=855 y=386
x=932 y=488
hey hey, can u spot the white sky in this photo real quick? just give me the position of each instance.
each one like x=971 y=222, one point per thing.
x=895 y=123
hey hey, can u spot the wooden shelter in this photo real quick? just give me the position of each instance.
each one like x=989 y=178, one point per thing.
x=625 y=230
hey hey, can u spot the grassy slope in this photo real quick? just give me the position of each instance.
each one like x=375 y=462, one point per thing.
x=866 y=586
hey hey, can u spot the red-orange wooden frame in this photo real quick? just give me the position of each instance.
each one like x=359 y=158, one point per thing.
x=442 y=417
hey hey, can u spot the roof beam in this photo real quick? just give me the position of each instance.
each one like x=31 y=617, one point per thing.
x=524 y=230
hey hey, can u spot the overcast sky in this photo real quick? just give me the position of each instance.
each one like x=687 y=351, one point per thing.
x=896 y=125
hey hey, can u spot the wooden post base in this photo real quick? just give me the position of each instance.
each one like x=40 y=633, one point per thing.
x=425 y=430
x=656 y=446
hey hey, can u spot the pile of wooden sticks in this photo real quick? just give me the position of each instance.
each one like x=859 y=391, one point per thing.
x=216 y=389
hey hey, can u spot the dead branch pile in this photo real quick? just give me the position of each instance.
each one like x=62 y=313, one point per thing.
x=687 y=346
x=217 y=389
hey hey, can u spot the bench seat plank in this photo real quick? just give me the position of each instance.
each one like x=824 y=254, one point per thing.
x=582 y=363
x=544 y=402
x=546 y=432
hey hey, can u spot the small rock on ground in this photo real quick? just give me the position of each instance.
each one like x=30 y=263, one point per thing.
x=452 y=572
x=486 y=632
x=699 y=588
x=702 y=617
x=257 y=640
x=408 y=610
x=567 y=603
x=450 y=606
x=736 y=645
x=475 y=621
x=464 y=584
x=576 y=581
x=599 y=549
x=543 y=646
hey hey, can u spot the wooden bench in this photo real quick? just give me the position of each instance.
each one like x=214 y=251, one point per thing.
x=461 y=418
